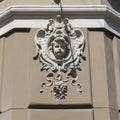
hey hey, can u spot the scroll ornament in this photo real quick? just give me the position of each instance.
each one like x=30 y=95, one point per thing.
x=60 y=48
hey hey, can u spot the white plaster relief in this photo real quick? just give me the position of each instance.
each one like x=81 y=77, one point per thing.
x=60 y=49
x=94 y=17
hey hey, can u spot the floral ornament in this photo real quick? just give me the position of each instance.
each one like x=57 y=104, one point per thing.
x=60 y=48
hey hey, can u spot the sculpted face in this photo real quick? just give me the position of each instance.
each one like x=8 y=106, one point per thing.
x=59 y=48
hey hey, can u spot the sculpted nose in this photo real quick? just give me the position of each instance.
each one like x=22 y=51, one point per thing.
x=59 y=49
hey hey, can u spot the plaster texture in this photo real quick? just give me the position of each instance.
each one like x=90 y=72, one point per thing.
x=37 y=78
x=47 y=114
x=98 y=68
x=116 y=50
x=20 y=80
x=105 y=114
x=109 y=38
x=15 y=71
x=6 y=3
x=20 y=75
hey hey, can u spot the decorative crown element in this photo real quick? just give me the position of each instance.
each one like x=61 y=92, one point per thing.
x=60 y=48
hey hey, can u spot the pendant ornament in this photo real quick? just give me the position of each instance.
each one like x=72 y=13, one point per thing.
x=60 y=49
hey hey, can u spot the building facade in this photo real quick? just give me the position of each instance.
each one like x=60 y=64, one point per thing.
x=60 y=61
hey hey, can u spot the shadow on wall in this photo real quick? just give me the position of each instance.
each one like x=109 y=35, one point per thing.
x=1 y=0
x=115 y=4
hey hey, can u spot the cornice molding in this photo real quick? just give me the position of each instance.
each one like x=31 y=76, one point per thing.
x=99 y=16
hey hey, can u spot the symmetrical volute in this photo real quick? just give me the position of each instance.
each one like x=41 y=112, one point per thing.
x=59 y=48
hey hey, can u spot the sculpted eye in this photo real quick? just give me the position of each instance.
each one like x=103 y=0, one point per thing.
x=56 y=46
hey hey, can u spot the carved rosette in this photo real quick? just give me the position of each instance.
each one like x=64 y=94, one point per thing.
x=60 y=48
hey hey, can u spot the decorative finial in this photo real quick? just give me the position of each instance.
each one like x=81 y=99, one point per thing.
x=57 y=1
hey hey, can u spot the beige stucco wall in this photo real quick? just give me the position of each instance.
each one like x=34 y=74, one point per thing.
x=20 y=70
x=20 y=80
x=6 y=3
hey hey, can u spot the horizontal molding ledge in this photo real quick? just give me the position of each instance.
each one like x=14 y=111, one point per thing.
x=33 y=16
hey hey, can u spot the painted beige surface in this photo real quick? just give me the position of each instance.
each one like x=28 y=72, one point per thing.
x=14 y=115
x=1 y=64
x=110 y=70
x=116 y=54
x=105 y=114
x=119 y=115
x=15 y=71
x=47 y=115
x=102 y=114
x=6 y=3
x=98 y=69
x=104 y=62
x=1 y=59
x=61 y=114
x=96 y=114
x=73 y=97
x=21 y=79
